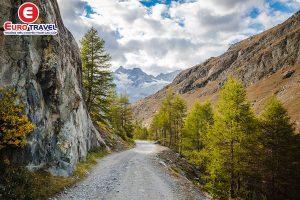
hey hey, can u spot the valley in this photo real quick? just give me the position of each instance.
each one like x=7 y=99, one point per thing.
x=205 y=103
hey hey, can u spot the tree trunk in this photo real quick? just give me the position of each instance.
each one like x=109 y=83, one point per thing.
x=164 y=137
x=232 y=184
x=91 y=80
x=170 y=138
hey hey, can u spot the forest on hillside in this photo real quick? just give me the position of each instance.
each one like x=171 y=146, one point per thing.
x=240 y=155
x=60 y=110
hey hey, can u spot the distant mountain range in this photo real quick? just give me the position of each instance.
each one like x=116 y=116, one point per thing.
x=138 y=84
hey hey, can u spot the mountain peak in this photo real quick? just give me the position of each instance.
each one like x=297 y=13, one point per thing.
x=137 y=69
x=138 y=84
x=168 y=76
x=121 y=69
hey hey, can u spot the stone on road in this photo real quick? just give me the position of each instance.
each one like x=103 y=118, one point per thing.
x=130 y=175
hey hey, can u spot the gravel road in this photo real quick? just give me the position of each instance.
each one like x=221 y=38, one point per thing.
x=135 y=174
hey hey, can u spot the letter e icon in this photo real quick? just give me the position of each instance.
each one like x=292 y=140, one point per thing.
x=28 y=13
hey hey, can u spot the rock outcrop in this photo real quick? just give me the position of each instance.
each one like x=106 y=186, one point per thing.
x=46 y=72
x=266 y=63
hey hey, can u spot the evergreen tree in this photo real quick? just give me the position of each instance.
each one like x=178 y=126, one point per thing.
x=97 y=79
x=281 y=152
x=228 y=143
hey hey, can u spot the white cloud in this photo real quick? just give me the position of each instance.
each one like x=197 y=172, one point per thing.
x=169 y=37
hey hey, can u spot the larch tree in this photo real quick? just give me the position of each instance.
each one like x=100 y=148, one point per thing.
x=140 y=132
x=167 y=123
x=227 y=146
x=126 y=115
x=155 y=128
x=180 y=109
x=97 y=78
x=160 y=124
x=281 y=152
x=120 y=116
x=167 y=111
x=197 y=124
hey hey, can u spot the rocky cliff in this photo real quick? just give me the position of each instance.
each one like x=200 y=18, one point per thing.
x=267 y=63
x=46 y=72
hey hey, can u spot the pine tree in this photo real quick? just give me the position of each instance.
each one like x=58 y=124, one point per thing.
x=97 y=79
x=281 y=152
x=228 y=140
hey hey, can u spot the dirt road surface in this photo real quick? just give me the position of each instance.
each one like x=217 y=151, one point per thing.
x=135 y=174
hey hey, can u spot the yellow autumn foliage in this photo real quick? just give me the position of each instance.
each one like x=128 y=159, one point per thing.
x=14 y=125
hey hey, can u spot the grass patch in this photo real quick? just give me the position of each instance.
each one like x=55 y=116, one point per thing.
x=85 y=166
x=19 y=183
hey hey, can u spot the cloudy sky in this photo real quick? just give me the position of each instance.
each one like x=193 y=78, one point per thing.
x=166 y=35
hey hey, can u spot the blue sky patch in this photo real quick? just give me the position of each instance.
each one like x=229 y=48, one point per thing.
x=278 y=6
x=150 y=3
x=257 y=26
x=88 y=9
x=254 y=13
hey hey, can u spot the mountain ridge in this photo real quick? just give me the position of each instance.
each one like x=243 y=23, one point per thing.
x=266 y=56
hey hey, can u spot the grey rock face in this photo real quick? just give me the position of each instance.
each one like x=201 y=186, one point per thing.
x=46 y=71
x=251 y=60
x=168 y=76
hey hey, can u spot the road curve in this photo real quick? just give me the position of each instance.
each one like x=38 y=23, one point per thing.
x=130 y=175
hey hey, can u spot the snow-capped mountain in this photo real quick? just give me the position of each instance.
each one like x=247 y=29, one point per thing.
x=138 y=84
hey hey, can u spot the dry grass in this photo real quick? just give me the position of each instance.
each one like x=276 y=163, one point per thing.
x=287 y=90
